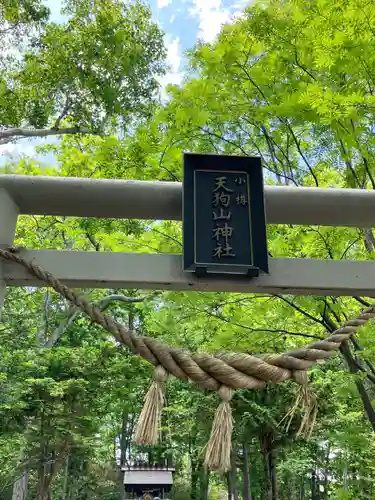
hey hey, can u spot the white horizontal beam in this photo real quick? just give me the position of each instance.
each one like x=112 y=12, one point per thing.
x=110 y=198
x=164 y=272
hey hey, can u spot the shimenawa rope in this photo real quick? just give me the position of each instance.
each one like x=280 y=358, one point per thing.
x=219 y=372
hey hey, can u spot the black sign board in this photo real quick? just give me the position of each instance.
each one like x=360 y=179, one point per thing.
x=224 y=223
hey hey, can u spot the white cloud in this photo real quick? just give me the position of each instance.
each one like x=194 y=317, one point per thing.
x=174 y=54
x=241 y=4
x=174 y=57
x=16 y=149
x=7 y=149
x=172 y=18
x=211 y=16
x=163 y=3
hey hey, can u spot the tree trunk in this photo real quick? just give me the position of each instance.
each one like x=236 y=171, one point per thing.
x=302 y=489
x=20 y=487
x=246 y=473
x=46 y=473
x=345 y=481
x=269 y=464
x=267 y=478
x=194 y=480
x=123 y=450
x=43 y=487
x=326 y=470
x=66 y=477
x=232 y=480
x=229 y=486
x=293 y=491
x=353 y=368
x=82 y=493
x=314 y=488
x=273 y=475
x=204 y=479
x=366 y=399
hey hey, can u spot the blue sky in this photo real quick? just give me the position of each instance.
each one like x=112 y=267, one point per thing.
x=186 y=21
x=183 y=22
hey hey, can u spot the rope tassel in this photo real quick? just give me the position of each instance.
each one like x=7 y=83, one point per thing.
x=305 y=400
x=310 y=409
x=147 y=429
x=219 y=446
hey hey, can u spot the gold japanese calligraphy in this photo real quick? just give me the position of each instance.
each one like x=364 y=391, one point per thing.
x=222 y=197
x=222 y=234
x=241 y=199
x=223 y=215
x=225 y=251
x=240 y=180
x=224 y=231
x=220 y=183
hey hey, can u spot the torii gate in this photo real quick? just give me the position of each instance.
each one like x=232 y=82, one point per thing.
x=159 y=200
x=163 y=201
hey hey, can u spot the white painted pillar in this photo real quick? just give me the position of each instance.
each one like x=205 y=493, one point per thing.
x=8 y=222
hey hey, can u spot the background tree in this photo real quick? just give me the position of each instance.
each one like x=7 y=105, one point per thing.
x=91 y=74
x=290 y=82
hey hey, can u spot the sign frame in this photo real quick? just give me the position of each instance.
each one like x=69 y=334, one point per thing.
x=199 y=168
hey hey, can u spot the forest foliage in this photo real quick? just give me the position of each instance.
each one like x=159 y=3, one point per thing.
x=290 y=81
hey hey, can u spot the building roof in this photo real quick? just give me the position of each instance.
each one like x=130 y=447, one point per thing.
x=150 y=476
x=145 y=466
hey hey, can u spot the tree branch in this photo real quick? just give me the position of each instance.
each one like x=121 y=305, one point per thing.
x=268 y=330
x=298 y=145
x=63 y=113
x=221 y=138
x=359 y=348
x=347 y=161
x=42 y=332
x=353 y=368
x=350 y=246
x=302 y=311
x=93 y=241
x=362 y=301
x=18 y=133
x=102 y=304
x=326 y=244
x=175 y=240
x=301 y=66
x=161 y=160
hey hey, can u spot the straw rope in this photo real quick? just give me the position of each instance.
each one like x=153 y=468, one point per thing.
x=234 y=370
x=221 y=372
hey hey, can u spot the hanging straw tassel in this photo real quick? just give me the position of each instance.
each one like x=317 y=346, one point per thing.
x=306 y=400
x=310 y=409
x=147 y=429
x=219 y=446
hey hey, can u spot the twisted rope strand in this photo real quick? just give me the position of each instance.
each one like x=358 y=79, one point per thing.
x=235 y=370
